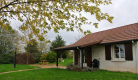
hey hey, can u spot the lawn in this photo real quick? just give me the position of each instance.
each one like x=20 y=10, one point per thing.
x=10 y=67
x=63 y=74
x=65 y=63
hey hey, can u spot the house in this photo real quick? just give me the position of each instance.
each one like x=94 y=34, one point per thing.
x=116 y=49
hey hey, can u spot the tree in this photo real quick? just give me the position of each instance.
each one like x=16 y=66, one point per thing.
x=58 y=42
x=43 y=46
x=32 y=48
x=8 y=40
x=39 y=16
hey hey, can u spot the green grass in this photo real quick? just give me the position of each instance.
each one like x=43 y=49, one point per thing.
x=10 y=67
x=65 y=63
x=62 y=74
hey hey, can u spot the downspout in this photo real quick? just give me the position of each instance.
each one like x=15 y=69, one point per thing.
x=136 y=46
x=80 y=57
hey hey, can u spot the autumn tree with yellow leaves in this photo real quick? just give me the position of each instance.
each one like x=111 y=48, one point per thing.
x=39 y=16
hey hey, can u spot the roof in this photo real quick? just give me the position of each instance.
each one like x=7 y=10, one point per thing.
x=123 y=33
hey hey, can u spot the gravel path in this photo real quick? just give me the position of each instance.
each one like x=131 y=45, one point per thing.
x=48 y=66
x=42 y=66
x=16 y=71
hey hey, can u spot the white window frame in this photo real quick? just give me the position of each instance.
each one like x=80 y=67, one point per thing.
x=113 y=53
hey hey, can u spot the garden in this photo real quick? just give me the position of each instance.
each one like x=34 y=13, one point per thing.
x=35 y=52
x=63 y=74
x=38 y=73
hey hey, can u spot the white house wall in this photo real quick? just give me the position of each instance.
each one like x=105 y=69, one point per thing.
x=137 y=55
x=113 y=65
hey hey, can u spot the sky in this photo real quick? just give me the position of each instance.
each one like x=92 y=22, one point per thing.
x=124 y=12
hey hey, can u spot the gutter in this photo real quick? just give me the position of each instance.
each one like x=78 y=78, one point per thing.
x=65 y=48
x=120 y=41
x=136 y=46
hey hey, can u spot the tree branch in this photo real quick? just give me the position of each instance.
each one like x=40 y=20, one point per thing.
x=53 y=9
x=7 y=5
x=19 y=11
x=12 y=3
x=16 y=2
x=32 y=2
x=26 y=17
x=32 y=11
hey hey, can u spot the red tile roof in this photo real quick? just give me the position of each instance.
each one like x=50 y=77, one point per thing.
x=123 y=33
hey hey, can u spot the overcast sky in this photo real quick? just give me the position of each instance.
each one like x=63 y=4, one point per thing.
x=124 y=12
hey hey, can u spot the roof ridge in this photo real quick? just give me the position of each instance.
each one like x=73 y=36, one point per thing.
x=115 y=28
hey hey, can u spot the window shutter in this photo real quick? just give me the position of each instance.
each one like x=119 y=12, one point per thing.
x=89 y=56
x=108 y=52
x=76 y=56
x=128 y=51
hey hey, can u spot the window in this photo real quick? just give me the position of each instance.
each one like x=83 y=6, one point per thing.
x=119 y=51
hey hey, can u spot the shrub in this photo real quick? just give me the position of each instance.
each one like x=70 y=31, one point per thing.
x=69 y=66
x=88 y=69
x=51 y=57
x=73 y=67
x=64 y=55
x=43 y=56
x=69 y=56
x=77 y=68
x=31 y=59
x=6 y=58
x=22 y=58
x=37 y=57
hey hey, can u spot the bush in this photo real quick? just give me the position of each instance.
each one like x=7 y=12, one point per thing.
x=51 y=57
x=88 y=69
x=43 y=56
x=6 y=58
x=69 y=56
x=37 y=57
x=69 y=66
x=64 y=55
x=22 y=58
x=73 y=67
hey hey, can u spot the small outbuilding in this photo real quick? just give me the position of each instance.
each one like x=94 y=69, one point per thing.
x=116 y=49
